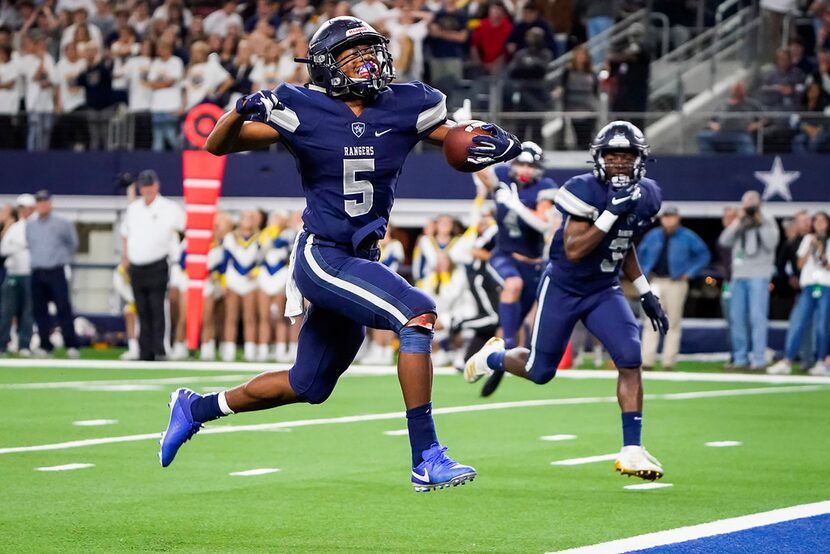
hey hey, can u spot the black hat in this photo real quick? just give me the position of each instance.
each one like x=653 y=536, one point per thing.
x=147 y=177
x=43 y=194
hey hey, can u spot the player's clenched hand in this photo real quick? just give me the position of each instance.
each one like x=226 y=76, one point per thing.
x=259 y=105
x=498 y=146
x=623 y=200
x=654 y=311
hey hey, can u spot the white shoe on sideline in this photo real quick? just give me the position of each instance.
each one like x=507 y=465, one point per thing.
x=781 y=367
x=24 y=353
x=73 y=353
x=819 y=370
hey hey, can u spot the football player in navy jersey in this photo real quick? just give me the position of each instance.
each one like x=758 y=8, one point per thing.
x=350 y=131
x=523 y=199
x=604 y=212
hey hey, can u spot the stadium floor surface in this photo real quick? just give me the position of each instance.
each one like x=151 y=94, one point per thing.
x=342 y=483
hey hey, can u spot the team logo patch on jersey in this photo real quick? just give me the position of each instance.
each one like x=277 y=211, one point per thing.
x=358 y=128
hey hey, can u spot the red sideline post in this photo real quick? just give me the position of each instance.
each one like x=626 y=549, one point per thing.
x=567 y=360
x=202 y=182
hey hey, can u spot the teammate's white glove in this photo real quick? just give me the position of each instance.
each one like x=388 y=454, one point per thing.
x=508 y=195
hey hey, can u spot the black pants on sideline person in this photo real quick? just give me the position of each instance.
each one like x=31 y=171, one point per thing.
x=150 y=289
x=49 y=285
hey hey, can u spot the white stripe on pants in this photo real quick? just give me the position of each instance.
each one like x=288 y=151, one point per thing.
x=672 y=295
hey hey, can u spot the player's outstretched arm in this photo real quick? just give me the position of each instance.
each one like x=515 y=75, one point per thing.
x=235 y=133
x=488 y=149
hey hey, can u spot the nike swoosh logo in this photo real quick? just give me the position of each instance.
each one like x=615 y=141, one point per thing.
x=424 y=477
x=616 y=201
x=381 y=133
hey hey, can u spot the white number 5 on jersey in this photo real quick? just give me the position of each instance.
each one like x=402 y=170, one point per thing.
x=353 y=185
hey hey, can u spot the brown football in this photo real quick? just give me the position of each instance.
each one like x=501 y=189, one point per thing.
x=458 y=139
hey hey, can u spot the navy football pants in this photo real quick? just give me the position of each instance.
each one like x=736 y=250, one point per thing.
x=347 y=293
x=606 y=314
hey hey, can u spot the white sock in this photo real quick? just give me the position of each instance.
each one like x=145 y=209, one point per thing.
x=262 y=352
x=223 y=404
x=132 y=345
x=292 y=351
x=208 y=350
x=227 y=351
x=249 y=351
x=388 y=353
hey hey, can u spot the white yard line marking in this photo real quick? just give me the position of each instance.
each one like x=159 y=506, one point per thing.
x=400 y=415
x=357 y=370
x=720 y=527
x=647 y=486
x=86 y=385
x=586 y=460
x=557 y=438
x=65 y=467
x=260 y=471
x=397 y=433
x=723 y=444
x=94 y=422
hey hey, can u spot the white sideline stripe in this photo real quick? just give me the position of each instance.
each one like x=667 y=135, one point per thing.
x=188 y=379
x=723 y=444
x=260 y=471
x=396 y=433
x=692 y=532
x=64 y=467
x=94 y=422
x=396 y=415
x=360 y=370
x=556 y=438
x=647 y=486
x=586 y=460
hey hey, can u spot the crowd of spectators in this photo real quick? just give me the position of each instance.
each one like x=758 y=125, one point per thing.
x=70 y=68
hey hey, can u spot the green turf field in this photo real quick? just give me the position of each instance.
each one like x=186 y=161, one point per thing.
x=343 y=486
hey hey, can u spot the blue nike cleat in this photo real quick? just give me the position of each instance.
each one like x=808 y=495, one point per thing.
x=438 y=471
x=181 y=426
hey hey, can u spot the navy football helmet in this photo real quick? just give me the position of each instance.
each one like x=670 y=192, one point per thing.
x=620 y=136
x=531 y=154
x=331 y=39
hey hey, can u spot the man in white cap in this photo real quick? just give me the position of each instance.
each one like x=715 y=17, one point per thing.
x=16 y=291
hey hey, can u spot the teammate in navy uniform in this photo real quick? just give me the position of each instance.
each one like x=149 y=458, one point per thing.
x=604 y=212
x=350 y=132
x=523 y=198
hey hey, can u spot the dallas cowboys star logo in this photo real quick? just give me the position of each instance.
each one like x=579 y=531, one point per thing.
x=777 y=181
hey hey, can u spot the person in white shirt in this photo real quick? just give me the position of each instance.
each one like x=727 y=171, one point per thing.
x=140 y=19
x=407 y=32
x=16 y=291
x=70 y=125
x=165 y=78
x=135 y=71
x=163 y=11
x=217 y=23
x=205 y=79
x=79 y=19
x=266 y=72
x=370 y=11
x=40 y=79
x=9 y=98
x=150 y=225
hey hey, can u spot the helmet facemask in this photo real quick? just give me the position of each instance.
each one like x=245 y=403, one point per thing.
x=620 y=174
x=374 y=72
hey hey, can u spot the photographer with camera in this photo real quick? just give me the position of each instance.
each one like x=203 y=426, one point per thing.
x=814 y=301
x=753 y=238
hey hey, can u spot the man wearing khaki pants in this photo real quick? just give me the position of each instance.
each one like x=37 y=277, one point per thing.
x=672 y=254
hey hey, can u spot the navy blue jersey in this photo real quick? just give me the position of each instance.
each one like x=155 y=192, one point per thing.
x=585 y=197
x=350 y=165
x=514 y=234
